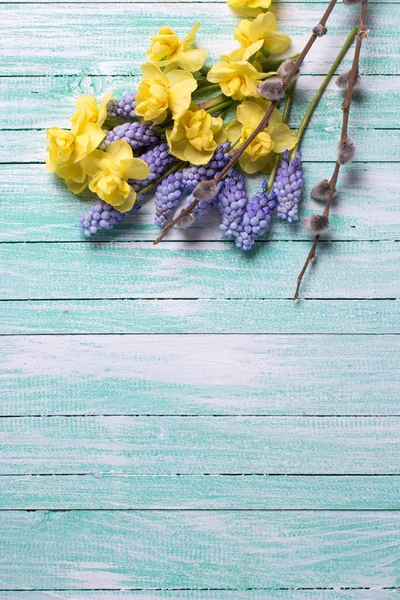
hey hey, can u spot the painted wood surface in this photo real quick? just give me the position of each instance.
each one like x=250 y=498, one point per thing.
x=196 y=270
x=188 y=492
x=282 y=480
x=97 y=39
x=224 y=549
x=199 y=375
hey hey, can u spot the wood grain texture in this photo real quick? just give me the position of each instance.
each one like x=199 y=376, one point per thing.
x=196 y=270
x=37 y=207
x=200 y=316
x=377 y=145
x=197 y=445
x=45 y=101
x=202 y=375
x=91 y=492
x=236 y=550
x=329 y=594
x=96 y=39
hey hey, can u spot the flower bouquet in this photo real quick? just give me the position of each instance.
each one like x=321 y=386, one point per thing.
x=190 y=135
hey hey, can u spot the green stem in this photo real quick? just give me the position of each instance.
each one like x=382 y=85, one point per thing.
x=285 y=119
x=207 y=88
x=219 y=107
x=272 y=65
x=323 y=86
x=213 y=102
x=173 y=169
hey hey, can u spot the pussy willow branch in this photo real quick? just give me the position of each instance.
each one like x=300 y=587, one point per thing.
x=362 y=33
x=262 y=125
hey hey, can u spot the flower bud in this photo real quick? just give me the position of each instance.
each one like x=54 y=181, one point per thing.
x=346 y=151
x=319 y=30
x=342 y=80
x=206 y=190
x=316 y=224
x=272 y=89
x=321 y=190
x=186 y=221
x=285 y=69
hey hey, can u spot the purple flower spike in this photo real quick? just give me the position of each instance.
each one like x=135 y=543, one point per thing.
x=287 y=187
x=123 y=107
x=232 y=203
x=256 y=219
x=138 y=135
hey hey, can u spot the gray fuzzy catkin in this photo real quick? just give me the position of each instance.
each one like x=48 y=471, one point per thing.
x=345 y=151
x=206 y=190
x=321 y=190
x=316 y=224
x=286 y=67
x=272 y=89
x=187 y=220
x=352 y=2
x=342 y=81
x=319 y=30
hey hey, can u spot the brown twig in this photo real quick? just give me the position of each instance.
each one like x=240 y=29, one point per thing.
x=262 y=125
x=362 y=33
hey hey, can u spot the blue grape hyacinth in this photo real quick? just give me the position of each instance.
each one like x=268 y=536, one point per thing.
x=257 y=218
x=232 y=203
x=159 y=161
x=287 y=187
x=168 y=197
x=138 y=135
x=193 y=174
x=123 y=107
x=101 y=216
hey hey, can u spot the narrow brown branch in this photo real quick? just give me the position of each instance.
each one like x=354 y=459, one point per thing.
x=362 y=33
x=262 y=125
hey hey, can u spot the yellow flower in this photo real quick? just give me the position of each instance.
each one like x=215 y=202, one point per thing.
x=87 y=110
x=166 y=48
x=237 y=77
x=158 y=92
x=195 y=136
x=110 y=171
x=276 y=138
x=261 y=34
x=250 y=3
x=66 y=150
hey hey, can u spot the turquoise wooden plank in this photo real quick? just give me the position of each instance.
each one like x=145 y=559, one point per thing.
x=196 y=270
x=202 y=375
x=377 y=492
x=35 y=37
x=200 y=316
x=40 y=102
x=346 y=594
x=198 y=445
x=178 y=549
x=37 y=207
x=375 y=145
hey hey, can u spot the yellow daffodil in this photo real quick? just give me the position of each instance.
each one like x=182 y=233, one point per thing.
x=88 y=110
x=110 y=171
x=261 y=34
x=276 y=138
x=167 y=49
x=195 y=136
x=67 y=149
x=237 y=77
x=159 y=92
x=250 y=3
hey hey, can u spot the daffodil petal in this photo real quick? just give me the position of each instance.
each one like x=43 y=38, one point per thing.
x=247 y=112
x=277 y=43
x=120 y=150
x=262 y=25
x=192 y=59
x=283 y=137
x=197 y=157
x=92 y=162
x=103 y=107
x=135 y=169
x=233 y=130
x=129 y=202
x=190 y=39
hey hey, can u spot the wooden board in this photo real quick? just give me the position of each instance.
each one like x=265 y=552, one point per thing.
x=172 y=425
